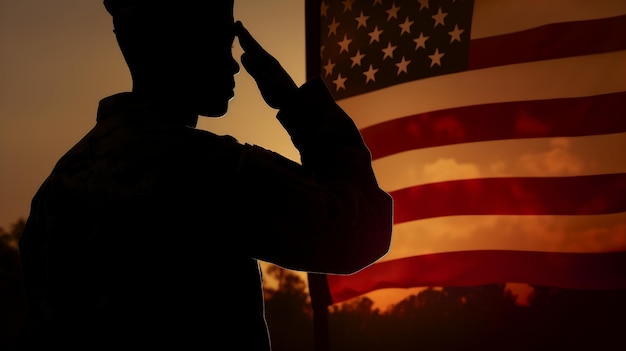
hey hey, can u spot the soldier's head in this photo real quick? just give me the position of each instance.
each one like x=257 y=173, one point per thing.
x=179 y=50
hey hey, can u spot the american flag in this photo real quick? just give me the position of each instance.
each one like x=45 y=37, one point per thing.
x=499 y=129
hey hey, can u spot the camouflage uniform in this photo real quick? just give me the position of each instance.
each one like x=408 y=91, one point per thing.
x=148 y=231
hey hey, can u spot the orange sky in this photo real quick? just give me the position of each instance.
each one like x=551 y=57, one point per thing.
x=59 y=58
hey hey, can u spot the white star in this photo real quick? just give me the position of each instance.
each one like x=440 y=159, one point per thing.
x=406 y=26
x=439 y=17
x=436 y=58
x=369 y=74
x=329 y=68
x=402 y=66
x=375 y=35
x=423 y=4
x=389 y=51
x=456 y=33
x=347 y=5
x=339 y=82
x=345 y=44
x=356 y=59
x=332 y=28
x=324 y=9
x=420 y=42
x=393 y=12
x=362 y=19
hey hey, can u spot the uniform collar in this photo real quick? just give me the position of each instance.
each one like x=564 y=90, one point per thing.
x=133 y=106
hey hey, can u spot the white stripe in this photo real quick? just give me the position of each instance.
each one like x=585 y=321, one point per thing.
x=601 y=233
x=495 y=17
x=541 y=157
x=560 y=78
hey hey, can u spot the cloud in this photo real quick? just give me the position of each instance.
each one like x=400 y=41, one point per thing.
x=559 y=160
x=449 y=168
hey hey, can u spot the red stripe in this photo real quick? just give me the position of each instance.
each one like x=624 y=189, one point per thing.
x=592 y=115
x=470 y=268
x=551 y=41
x=581 y=195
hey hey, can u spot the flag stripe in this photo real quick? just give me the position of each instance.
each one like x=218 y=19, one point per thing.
x=574 y=39
x=556 y=233
x=537 y=157
x=582 y=195
x=469 y=268
x=491 y=18
x=551 y=79
x=580 y=116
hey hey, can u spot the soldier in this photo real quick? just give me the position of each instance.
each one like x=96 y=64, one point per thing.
x=148 y=232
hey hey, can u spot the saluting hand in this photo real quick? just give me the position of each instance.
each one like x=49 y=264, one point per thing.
x=275 y=84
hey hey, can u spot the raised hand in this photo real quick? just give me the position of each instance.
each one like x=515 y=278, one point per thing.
x=275 y=84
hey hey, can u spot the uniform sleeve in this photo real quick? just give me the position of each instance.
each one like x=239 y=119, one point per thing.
x=326 y=215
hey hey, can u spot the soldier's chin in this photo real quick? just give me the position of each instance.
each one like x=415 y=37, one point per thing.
x=212 y=107
x=213 y=111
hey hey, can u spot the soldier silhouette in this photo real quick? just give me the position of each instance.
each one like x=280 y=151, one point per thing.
x=148 y=232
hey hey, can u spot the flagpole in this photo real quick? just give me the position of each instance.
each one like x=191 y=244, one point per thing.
x=318 y=286
x=320 y=300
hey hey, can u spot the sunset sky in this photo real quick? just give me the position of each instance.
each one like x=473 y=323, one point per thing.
x=59 y=58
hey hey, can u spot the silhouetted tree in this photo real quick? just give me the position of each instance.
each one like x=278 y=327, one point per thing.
x=355 y=325
x=11 y=238
x=473 y=318
x=288 y=312
x=12 y=304
x=482 y=315
x=580 y=319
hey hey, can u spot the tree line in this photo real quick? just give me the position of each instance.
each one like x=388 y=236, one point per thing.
x=485 y=317
x=470 y=318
